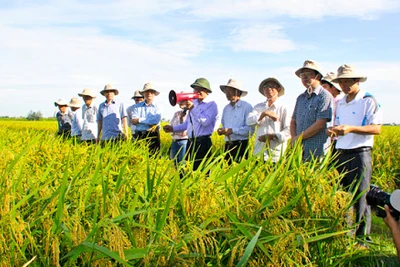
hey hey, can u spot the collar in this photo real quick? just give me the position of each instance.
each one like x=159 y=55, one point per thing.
x=277 y=101
x=196 y=102
x=112 y=102
x=316 y=91
x=359 y=96
x=238 y=104
x=144 y=104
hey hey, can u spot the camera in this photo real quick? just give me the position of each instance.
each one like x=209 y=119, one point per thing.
x=377 y=199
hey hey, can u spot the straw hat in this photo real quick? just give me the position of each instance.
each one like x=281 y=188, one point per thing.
x=329 y=77
x=137 y=95
x=74 y=103
x=309 y=65
x=149 y=87
x=202 y=83
x=348 y=72
x=271 y=79
x=87 y=92
x=109 y=87
x=235 y=85
x=61 y=102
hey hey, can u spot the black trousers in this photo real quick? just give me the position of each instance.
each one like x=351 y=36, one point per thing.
x=197 y=149
x=152 y=139
x=358 y=165
x=236 y=150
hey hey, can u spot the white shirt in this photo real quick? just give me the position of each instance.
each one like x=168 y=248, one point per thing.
x=129 y=111
x=281 y=128
x=89 y=124
x=76 y=128
x=358 y=112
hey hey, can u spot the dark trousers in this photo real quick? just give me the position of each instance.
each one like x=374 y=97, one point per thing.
x=358 y=163
x=236 y=150
x=113 y=141
x=197 y=149
x=152 y=139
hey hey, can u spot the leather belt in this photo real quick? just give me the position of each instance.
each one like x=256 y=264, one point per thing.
x=355 y=150
x=199 y=138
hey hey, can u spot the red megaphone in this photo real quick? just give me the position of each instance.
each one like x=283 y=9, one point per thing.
x=175 y=98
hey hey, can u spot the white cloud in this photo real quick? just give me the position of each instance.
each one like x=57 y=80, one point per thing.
x=294 y=8
x=267 y=39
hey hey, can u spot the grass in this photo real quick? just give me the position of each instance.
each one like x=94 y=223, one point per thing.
x=76 y=205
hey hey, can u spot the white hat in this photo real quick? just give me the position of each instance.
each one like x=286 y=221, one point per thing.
x=329 y=77
x=61 y=102
x=87 y=92
x=309 y=65
x=235 y=85
x=109 y=87
x=75 y=103
x=348 y=72
x=149 y=87
x=271 y=79
x=137 y=95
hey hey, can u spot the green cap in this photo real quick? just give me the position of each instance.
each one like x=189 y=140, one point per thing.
x=203 y=83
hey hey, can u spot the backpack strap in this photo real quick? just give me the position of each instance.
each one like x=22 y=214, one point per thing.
x=377 y=106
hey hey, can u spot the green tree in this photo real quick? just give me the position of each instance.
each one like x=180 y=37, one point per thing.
x=34 y=116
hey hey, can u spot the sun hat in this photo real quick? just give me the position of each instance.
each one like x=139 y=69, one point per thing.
x=109 y=87
x=61 y=102
x=348 y=72
x=271 y=79
x=329 y=77
x=74 y=103
x=87 y=92
x=309 y=65
x=137 y=95
x=203 y=83
x=232 y=83
x=149 y=87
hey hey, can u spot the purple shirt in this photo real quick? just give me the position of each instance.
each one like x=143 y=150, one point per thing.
x=200 y=120
x=111 y=115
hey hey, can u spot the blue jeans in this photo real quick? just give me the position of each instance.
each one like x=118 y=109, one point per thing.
x=178 y=150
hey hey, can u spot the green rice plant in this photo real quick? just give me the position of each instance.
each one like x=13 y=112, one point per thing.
x=65 y=204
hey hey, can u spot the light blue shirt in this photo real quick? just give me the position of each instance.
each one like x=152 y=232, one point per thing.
x=235 y=117
x=148 y=115
x=76 y=123
x=89 y=125
x=201 y=119
x=111 y=115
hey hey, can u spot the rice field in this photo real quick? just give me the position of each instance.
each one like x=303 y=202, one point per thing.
x=67 y=204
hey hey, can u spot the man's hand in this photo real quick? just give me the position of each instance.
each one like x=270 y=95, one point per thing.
x=341 y=129
x=390 y=220
x=294 y=140
x=329 y=132
x=266 y=138
x=270 y=114
x=228 y=131
x=189 y=105
x=168 y=128
x=135 y=121
x=221 y=131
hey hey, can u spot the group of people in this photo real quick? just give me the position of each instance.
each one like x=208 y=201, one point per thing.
x=332 y=113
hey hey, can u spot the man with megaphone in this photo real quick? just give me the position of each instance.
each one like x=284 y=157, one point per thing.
x=202 y=116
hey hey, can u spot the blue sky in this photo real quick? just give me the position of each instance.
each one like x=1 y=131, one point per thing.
x=54 y=49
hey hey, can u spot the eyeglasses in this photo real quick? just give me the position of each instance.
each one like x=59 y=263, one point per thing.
x=271 y=85
x=347 y=81
x=307 y=74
